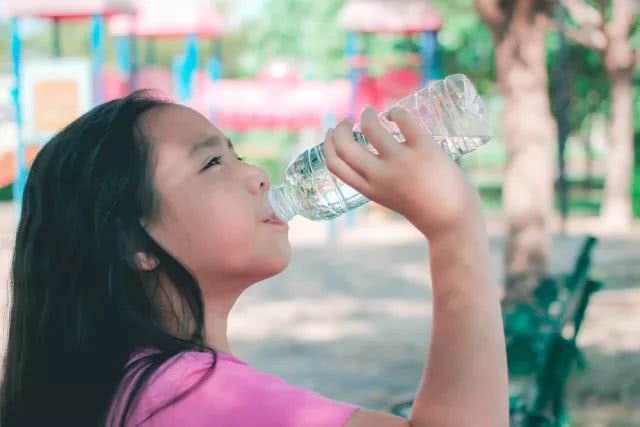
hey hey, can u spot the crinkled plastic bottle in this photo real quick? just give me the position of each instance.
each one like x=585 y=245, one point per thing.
x=450 y=110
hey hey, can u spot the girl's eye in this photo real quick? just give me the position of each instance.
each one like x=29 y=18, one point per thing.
x=213 y=162
x=217 y=161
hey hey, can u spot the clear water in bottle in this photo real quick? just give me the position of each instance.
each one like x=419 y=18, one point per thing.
x=450 y=110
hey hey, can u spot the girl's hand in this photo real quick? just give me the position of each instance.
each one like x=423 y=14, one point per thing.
x=415 y=178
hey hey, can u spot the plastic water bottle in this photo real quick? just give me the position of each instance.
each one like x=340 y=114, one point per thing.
x=450 y=110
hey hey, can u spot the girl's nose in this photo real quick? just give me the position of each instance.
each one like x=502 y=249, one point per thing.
x=258 y=180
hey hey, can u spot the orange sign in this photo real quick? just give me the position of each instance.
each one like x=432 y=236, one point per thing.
x=56 y=104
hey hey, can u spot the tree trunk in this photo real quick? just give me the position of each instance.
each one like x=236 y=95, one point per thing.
x=519 y=29
x=619 y=61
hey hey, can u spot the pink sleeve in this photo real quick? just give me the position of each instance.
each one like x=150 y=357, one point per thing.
x=237 y=395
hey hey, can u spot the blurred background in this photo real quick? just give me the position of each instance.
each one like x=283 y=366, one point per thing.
x=350 y=317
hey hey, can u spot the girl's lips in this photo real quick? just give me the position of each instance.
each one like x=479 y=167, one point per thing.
x=276 y=221
x=273 y=219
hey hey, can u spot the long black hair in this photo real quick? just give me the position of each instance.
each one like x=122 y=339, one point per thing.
x=80 y=303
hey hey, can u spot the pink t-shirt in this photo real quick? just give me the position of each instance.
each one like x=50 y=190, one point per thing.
x=234 y=395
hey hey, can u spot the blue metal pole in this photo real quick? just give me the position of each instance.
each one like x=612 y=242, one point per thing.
x=214 y=65
x=123 y=55
x=97 y=57
x=429 y=56
x=427 y=49
x=186 y=68
x=192 y=60
x=124 y=59
x=16 y=61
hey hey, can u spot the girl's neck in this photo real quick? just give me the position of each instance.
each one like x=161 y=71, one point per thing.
x=216 y=331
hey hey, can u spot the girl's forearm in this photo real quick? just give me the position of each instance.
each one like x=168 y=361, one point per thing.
x=465 y=379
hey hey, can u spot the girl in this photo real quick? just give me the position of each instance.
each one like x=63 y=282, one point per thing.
x=141 y=227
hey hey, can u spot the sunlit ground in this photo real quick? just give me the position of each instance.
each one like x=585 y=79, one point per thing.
x=350 y=318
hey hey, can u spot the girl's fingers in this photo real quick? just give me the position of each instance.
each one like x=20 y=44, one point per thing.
x=356 y=156
x=340 y=169
x=409 y=125
x=376 y=134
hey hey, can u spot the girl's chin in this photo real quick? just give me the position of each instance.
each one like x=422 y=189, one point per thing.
x=276 y=265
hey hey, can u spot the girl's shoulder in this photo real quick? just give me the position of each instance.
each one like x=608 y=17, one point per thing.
x=234 y=393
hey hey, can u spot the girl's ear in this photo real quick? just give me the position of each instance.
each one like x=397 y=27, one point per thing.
x=145 y=262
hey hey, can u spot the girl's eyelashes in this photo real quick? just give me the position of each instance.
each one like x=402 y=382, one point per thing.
x=213 y=162
x=217 y=161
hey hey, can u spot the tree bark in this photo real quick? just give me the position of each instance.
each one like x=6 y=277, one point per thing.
x=519 y=28
x=619 y=63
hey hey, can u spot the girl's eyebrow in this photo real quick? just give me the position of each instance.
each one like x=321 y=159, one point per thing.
x=210 y=142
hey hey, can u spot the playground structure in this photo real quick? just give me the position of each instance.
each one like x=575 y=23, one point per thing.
x=232 y=104
x=129 y=20
x=249 y=104
x=54 y=89
x=194 y=21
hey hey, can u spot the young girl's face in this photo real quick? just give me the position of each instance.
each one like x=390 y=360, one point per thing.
x=213 y=210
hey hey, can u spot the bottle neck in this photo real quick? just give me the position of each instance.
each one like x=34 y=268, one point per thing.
x=281 y=204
